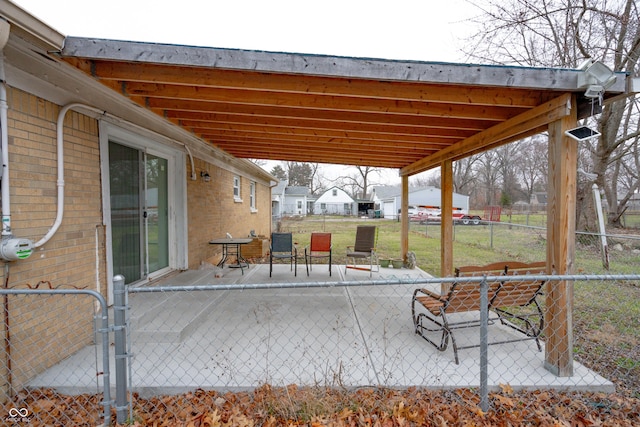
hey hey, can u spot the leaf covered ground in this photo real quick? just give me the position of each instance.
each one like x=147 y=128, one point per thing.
x=315 y=406
x=383 y=407
x=267 y=406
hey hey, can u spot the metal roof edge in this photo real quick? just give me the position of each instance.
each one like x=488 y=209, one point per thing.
x=560 y=79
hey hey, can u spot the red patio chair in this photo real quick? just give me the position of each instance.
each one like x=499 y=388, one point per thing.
x=320 y=247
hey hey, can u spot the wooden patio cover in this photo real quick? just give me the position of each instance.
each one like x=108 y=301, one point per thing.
x=308 y=108
x=413 y=116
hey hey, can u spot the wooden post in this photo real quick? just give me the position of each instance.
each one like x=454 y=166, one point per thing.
x=561 y=226
x=446 y=218
x=404 y=218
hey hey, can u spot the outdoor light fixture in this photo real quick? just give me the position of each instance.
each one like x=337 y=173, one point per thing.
x=205 y=176
x=595 y=77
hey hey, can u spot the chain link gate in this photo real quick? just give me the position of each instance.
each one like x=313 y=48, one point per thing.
x=34 y=335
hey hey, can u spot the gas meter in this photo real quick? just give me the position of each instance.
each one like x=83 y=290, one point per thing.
x=13 y=249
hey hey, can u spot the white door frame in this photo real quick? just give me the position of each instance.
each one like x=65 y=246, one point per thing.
x=176 y=163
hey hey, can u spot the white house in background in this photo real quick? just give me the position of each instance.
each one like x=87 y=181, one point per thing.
x=277 y=198
x=428 y=196
x=289 y=200
x=335 y=201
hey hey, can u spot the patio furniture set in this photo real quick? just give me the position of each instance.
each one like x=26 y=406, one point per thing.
x=320 y=247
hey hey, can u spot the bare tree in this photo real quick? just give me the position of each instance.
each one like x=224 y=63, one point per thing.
x=562 y=33
x=426 y=180
x=358 y=183
x=488 y=183
x=507 y=156
x=465 y=175
x=532 y=165
x=318 y=183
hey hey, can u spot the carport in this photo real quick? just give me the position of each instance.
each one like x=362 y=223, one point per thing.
x=412 y=116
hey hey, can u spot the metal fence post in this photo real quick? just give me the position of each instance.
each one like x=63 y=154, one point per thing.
x=491 y=233
x=484 y=344
x=120 y=337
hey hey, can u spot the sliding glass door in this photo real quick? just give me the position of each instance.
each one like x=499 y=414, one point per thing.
x=138 y=187
x=156 y=213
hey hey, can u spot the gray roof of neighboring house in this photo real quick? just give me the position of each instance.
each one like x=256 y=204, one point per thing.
x=385 y=191
x=297 y=190
x=279 y=189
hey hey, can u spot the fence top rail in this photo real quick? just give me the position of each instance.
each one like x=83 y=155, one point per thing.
x=386 y=282
x=27 y=291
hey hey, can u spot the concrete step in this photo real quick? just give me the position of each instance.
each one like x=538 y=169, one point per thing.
x=173 y=320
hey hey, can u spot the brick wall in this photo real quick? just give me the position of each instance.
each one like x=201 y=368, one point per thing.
x=213 y=212
x=69 y=258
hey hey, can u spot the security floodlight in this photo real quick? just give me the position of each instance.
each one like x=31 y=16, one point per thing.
x=594 y=91
x=596 y=77
x=582 y=133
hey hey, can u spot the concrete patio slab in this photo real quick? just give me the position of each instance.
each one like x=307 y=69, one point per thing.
x=351 y=336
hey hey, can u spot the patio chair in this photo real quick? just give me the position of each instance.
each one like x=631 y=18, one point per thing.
x=320 y=247
x=503 y=296
x=282 y=247
x=364 y=248
x=442 y=314
x=516 y=303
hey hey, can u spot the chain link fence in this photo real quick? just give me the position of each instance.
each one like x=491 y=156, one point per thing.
x=40 y=328
x=349 y=335
x=529 y=242
x=186 y=337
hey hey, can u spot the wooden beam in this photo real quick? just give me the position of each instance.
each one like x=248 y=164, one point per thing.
x=367 y=141
x=446 y=220
x=312 y=156
x=400 y=125
x=561 y=227
x=522 y=124
x=404 y=218
x=344 y=129
x=279 y=111
x=275 y=82
x=163 y=94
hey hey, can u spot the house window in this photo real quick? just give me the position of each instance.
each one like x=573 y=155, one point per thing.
x=334 y=192
x=252 y=196
x=323 y=206
x=236 y=189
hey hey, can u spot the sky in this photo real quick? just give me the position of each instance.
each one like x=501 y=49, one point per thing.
x=424 y=30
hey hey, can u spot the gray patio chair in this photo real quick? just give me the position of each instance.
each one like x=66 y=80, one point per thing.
x=364 y=249
x=282 y=247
